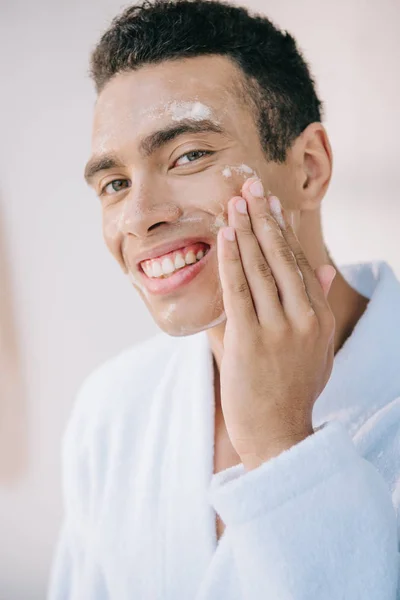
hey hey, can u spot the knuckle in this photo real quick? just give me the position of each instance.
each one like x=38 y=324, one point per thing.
x=241 y=289
x=283 y=252
x=263 y=268
x=232 y=259
x=244 y=229
x=313 y=325
x=302 y=261
x=309 y=326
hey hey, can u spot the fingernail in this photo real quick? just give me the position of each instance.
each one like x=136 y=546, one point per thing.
x=241 y=206
x=229 y=233
x=256 y=189
x=333 y=274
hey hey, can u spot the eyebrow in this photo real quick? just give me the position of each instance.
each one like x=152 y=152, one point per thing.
x=150 y=144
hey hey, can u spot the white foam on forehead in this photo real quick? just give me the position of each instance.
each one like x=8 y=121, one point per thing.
x=189 y=110
x=181 y=109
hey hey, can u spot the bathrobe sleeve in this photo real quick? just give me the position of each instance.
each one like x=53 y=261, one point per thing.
x=316 y=521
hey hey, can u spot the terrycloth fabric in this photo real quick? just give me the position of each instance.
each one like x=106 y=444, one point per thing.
x=320 y=521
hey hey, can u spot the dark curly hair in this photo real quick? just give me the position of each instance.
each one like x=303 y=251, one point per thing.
x=276 y=81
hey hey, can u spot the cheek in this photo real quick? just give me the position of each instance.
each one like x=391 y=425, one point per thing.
x=112 y=234
x=231 y=178
x=213 y=190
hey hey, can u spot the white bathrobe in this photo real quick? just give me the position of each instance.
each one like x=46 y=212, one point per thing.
x=318 y=522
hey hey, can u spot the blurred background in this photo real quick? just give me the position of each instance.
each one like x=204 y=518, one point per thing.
x=64 y=305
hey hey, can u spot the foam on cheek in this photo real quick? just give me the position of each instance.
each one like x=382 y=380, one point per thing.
x=246 y=169
x=220 y=221
x=241 y=169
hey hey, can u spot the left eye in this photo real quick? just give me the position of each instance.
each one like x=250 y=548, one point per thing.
x=194 y=154
x=114 y=181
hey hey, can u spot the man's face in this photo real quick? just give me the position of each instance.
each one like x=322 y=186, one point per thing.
x=170 y=192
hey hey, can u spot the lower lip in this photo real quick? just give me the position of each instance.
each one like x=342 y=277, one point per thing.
x=157 y=285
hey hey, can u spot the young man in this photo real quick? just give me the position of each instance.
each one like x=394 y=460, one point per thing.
x=251 y=449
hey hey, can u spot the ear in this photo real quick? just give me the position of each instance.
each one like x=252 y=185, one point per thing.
x=314 y=159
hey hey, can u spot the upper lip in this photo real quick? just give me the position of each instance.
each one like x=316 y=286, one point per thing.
x=168 y=247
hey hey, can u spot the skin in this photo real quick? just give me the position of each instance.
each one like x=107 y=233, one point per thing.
x=155 y=206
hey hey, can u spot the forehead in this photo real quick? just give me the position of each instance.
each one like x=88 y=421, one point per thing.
x=137 y=102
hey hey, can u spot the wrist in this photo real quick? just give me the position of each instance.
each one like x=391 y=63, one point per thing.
x=273 y=448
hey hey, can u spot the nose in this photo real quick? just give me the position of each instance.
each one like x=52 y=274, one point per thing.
x=146 y=207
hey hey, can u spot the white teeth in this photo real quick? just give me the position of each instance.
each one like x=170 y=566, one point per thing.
x=156 y=270
x=148 y=270
x=179 y=261
x=167 y=266
x=190 y=258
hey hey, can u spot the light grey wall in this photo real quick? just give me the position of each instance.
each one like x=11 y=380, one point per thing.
x=72 y=306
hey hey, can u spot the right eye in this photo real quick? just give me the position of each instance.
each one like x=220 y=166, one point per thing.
x=112 y=183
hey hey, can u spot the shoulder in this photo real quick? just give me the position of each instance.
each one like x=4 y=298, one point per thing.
x=114 y=387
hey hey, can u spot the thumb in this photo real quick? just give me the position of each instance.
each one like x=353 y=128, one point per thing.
x=325 y=275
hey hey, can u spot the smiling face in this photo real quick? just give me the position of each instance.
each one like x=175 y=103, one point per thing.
x=179 y=144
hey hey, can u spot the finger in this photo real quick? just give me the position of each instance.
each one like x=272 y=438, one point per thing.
x=292 y=293
x=256 y=268
x=238 y=302
x=311 y=283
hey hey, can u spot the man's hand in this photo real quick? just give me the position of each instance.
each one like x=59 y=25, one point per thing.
x=278 y=343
